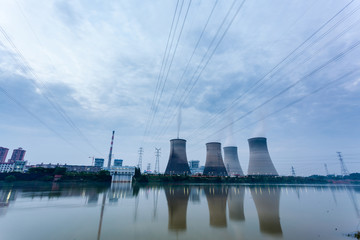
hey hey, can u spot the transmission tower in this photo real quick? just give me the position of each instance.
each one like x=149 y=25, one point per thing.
x=157 y=154
x=326 y=170
x=293 y=171
x=344 y=170
x=141 y=151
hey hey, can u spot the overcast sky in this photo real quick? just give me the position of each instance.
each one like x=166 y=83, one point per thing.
x=73 y=71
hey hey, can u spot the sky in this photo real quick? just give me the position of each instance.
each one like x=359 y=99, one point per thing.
x=71 y=72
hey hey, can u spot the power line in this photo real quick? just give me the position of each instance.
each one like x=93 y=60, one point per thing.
x=271 y=73
x=322 y=66
x=203 y=64
x=159 y=76
x=24 y=65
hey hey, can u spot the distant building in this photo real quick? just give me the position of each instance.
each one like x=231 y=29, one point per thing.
x=118 y=162
x=122 y=173
x=69 y=168
x=99 y=162
x=17 y=155
x=6 y=167
x=195 y=167
x=3 y=154
x=194 y=164
x=17 y=166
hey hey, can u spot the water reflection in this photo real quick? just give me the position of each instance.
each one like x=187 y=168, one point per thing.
x=115 y=207
x=216 y=198
x=177 y=199
x=267 y=200
x=236 y=203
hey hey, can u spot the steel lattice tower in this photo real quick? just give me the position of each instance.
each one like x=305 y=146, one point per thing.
x=141 y=151
x=344 y=170
x=157 y=154
x=326 y=170
x=293 y=171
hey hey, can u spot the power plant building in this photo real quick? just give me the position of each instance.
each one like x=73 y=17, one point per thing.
x=231 y=160
x=260 y=162
x=214 y=165
x=118 y=162
x=99 y=162
x=178 y=163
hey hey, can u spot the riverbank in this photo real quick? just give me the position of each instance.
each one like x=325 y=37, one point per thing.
x=316 y=179
x=55 y=175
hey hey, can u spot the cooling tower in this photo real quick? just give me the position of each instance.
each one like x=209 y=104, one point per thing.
x=236 y=203
x=216 y=197
x=231 y=161
x=267 y=206
x=177 y=200
x=214 y=165
x=178 y=163
x=260 y=162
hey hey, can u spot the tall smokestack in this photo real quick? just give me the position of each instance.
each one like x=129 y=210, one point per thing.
x=214 y=165
x=178 y=163
x=111 y=147
x=232 y=163
x=260 y=162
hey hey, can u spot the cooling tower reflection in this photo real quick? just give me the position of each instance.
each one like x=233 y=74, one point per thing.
x=236 y=203
x=177 y=199
x=216 y=197
x=267 y=200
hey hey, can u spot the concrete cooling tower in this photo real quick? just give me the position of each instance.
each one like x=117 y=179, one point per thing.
x=178 y=163
x=177 y=200
x=214 y=165
x=267 y=206
x=260 y=162
x=232 y=163
x=216 y=198
x=236 y=203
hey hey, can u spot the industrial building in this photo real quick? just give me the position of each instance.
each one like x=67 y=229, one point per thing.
x=231 y=161
x=177 y=164
x=195 y=167
x=214 y=165
x=3 y=154
x=118 y=162
x=99 y=162
x=122 y=173
x=260 y=162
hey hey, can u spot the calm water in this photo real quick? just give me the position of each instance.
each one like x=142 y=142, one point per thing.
x=56 y=211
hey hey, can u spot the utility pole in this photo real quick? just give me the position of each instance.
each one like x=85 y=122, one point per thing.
x=293 y=171
x=344 y=170
x=141 y=151
x=326 y=170
x=157 y=154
